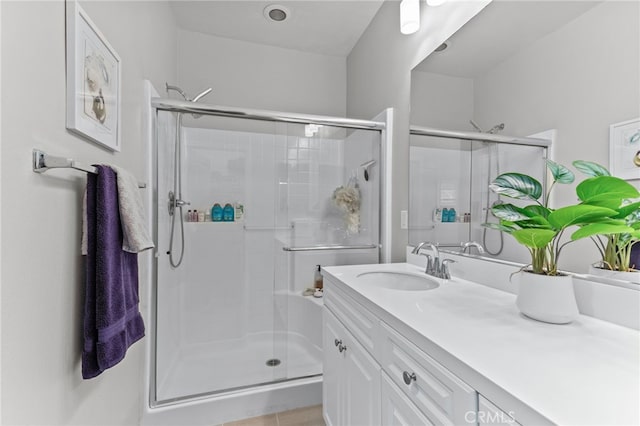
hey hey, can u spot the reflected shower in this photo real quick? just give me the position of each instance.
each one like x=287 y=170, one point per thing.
x=495 y=129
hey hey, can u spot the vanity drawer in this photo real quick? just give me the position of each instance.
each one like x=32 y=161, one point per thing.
x=360 y=322
x=440 y=395
x=397 y=409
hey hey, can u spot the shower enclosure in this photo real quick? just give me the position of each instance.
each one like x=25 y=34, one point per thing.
x=232 y=317
x=453 y=170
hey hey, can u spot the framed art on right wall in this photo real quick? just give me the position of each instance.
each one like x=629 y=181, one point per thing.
x=624 y=149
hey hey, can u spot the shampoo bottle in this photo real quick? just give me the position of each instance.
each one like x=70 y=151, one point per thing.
x=216 y=213
x=228 y=213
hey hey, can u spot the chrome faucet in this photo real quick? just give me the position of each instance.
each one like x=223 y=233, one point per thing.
x=470 y=244
x=434 y=266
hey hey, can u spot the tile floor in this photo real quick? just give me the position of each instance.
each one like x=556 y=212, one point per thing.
x=307 y=416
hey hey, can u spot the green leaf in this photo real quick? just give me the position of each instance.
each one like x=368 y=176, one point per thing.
x=534 y=222
x=602 y=188
x=628 y=209
x=499 y=227
x=537 y=210
x=509 y=212
x=600 y=229
x=578 y=214
x=590 y=168
x=534 y=238
x=560 y=173
x=517 y=185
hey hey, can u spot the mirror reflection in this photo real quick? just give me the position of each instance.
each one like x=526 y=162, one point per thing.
x=562 y=71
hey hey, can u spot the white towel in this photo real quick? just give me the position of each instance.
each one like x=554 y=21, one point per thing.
x=134 y=230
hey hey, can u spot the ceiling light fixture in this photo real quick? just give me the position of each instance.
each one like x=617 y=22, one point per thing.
x=436 y=2
x=276 y=13
x=409 y=16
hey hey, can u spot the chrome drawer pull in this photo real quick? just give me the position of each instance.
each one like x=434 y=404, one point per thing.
x=408 y=378
x=337 y=342
x=342 y=348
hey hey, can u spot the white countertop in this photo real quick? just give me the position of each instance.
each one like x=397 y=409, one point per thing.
x=586 y=372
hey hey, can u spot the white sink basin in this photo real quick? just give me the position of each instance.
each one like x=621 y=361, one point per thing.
x=398 y=280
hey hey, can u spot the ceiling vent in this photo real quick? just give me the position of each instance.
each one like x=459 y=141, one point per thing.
x=276 y=13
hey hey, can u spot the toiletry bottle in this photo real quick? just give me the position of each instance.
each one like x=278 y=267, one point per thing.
x=239 y=211
x=194 y=216
x=437 y=215
x=445 y=215
x=201 y=216
x=227 y=213
x=189 y=216
x=207 y=215
x=452 y=215
x=317 y=278
x=216 y=213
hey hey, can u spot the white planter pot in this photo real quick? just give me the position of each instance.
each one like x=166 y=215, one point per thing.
x=547 y=298
x=633 y=277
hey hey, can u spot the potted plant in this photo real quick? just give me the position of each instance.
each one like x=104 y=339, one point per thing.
x=545 y=293
x=615 y=236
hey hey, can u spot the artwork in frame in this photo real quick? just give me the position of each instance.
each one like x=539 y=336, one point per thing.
x=624 y=149
x=93 y=80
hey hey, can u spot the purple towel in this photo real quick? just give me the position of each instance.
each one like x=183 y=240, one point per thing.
x=112 y=321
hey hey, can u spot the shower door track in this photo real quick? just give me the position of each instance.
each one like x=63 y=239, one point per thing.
x=173 y=105
x=477 y=136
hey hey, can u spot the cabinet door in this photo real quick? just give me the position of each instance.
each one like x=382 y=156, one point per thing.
x=332 y=392
x=397 y=409
x=362 y=386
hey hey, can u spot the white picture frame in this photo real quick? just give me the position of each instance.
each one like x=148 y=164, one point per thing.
x=624 y=149
x=93 y=81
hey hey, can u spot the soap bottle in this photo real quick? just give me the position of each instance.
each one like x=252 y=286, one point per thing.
x=445 y=215
x=189 y=216
x=239 y=208
x=317 y=278
x=228 y=213
x=216 y=213
x=452 y=215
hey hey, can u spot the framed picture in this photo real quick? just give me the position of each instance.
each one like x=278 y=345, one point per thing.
x=624 y=149
x=93 y=80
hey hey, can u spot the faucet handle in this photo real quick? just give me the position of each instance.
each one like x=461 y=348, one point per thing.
x=444 y=272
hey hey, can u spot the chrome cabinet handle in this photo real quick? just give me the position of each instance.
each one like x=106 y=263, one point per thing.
x=337 y=342
x=408 y=377
x=342 y=348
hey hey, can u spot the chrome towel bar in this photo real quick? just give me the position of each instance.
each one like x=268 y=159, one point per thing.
x=43 y=162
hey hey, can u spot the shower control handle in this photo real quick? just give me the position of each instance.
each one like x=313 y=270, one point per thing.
x=342 y=348
x=337 y=342
x=180 y=203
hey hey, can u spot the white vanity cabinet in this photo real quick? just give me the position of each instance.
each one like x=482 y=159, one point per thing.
x=374 y=376
x=351 y=383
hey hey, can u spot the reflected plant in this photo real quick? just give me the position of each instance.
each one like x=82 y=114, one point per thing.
x=615 y=236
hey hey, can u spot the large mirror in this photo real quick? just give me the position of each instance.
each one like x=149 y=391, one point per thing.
x=558 y=70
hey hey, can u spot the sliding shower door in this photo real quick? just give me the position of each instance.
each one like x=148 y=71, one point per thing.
x=234 y=315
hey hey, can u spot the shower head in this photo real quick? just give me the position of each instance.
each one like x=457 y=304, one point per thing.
x=184 y=95
x=177 y=89
x=201 y=95
x=497 y=128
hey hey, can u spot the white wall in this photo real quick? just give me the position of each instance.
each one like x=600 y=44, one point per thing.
x=250 y=75
x=578 y=80
x=441 y=101
x=379 y=76
x=42 y=273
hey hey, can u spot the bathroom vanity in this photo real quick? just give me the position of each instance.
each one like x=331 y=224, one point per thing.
x=403 y=348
